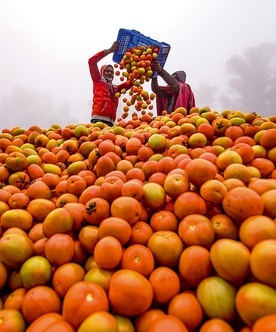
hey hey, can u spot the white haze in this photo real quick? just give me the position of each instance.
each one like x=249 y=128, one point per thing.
x=45 y=46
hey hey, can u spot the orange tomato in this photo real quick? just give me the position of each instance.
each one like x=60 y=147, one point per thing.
x=164 y=221
x=81 y=300
x=196 y=229
x=15 y=249
x=65 y=276
x=117 y=227
x=230 y=259
x=50 y=322
x=12 y=320
x=96 y=209
x=130 y=293
x=199 y=171
x=166 y=247
x=225 y=227
x=216 y=324
x=261 y=261
x=138 y=258
x=31 y=305
x=59 y=249
x=186 y=307
x=165 y=283
x=140 y=233
x=108 y=252
x=256 y=229
x=100 y=276
x=240 y=203
x=99 y=321
x=58 y=220
x=143 y=321
x=14 y=299
x=195 y=265
x=167 y=323
x=265 y=323
x=127 y=208
x=38 y=189
x=189 y=203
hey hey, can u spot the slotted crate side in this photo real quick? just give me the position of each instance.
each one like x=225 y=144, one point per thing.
x=132 y=38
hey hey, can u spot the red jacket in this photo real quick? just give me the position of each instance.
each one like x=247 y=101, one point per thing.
x=105 y=103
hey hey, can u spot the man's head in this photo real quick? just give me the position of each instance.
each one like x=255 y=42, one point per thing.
x=180 y=76
x=107 y=71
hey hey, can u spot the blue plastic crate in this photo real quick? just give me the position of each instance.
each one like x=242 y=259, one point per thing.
x=132 y=38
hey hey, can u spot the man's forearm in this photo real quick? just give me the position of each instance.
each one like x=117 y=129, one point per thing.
x=154 y=85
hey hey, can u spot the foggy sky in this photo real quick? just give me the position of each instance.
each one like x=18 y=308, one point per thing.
x=46 y=44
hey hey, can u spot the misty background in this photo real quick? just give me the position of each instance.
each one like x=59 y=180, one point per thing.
x=227 y=48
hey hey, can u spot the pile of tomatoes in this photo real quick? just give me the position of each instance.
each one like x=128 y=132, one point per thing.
x=155 y=224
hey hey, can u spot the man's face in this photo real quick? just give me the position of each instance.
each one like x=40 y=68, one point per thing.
x=175 y=76
x=109 y=73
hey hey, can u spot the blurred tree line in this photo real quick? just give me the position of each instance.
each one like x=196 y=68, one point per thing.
x=27 y=107
x=252 y=82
